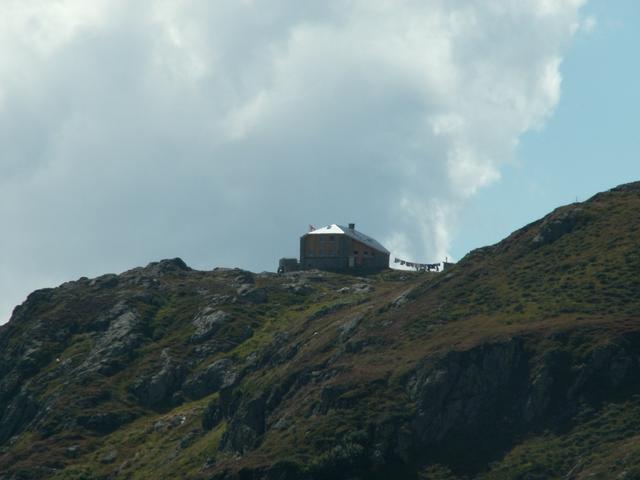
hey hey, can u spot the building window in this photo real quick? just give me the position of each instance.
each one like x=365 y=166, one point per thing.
x=355 y=252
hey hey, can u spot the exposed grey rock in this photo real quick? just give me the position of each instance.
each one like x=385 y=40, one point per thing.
x=158 y=388
x=10 y=383
x=177 y=420
x=277 y=351
x=43 y=296
x=213 y=414
x=169 y=423
x=149 y=277
x=188 y=439
x=72 y=451
x=109 y=457
x=240 y=438
x=207 y=323
x=33 y=358
x=499 y=388
x=173 y=265
x=142 y=277
x=355 y=346
x=233 y=336
x=119 y=340
x=267 y=275
x=313 y=275
x=106 y=422
x=558 y=225
x=246 y=427
x=219 y=299
x=22 y=409
x=210 y=348
x=244 y=278
x=330 y=398
x=109 y=280
x=362 y=288
x=218 y=375
x=328 y=310
x=609 y=367
x=299 y=288
x=467 y=391
x=160 y=426
x=393 y=439
x=541 y=387
x=283 y=423
x=209 y=463
x=247 y=293
x=401 y=299
x=348 y=328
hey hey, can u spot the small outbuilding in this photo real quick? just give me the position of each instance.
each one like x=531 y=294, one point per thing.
x=342 y=249
x=287 y=265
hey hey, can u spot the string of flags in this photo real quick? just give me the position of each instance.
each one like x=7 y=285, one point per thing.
x=420 y=267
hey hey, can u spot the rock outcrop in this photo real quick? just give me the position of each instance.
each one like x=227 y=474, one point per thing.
x=520 y=361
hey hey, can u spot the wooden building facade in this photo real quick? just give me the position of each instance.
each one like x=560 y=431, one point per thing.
x=338 y=248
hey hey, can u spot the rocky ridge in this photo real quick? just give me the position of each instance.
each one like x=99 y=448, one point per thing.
x=519 y=362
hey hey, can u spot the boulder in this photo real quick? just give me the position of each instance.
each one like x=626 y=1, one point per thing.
x=347 y=329
x=207 y=323
x=233 y=336
x=213 y=414
x=218 y=375
x=116 y=344
x=244 y=278
x=159 y=387
x=109 y=457
x=246 y=427
x=72 y=452
x=110 y=280
x=163 y=267
x=106 y=422
x=247 y=293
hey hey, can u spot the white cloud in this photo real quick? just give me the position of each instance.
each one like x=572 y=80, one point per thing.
x=131 y=131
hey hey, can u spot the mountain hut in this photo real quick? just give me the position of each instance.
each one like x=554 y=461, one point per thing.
x=342 y=249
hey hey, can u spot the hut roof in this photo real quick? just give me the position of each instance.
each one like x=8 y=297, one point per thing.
x=334 y=229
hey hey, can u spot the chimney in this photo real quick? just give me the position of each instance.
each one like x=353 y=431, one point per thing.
x=352 y=226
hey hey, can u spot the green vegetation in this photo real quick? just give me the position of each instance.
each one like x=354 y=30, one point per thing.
x=520 y=362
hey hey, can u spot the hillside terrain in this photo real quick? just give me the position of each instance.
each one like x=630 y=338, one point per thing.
x=520 y=362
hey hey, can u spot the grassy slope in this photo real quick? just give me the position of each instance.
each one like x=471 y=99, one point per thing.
x=142 y=451
x=586 y=282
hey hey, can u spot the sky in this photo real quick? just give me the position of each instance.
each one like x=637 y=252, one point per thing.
x=218 y=131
